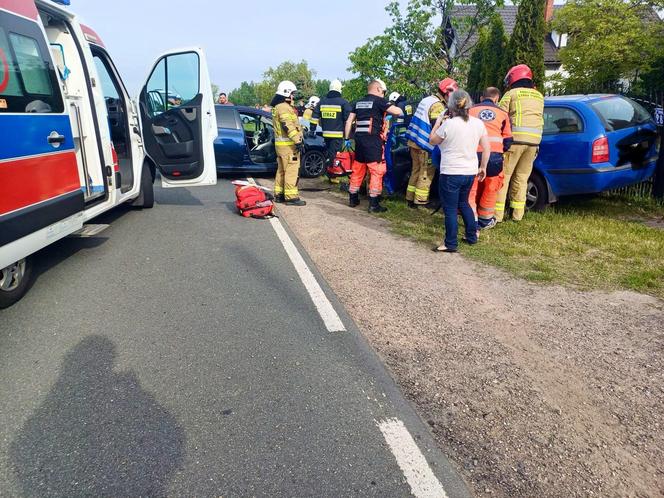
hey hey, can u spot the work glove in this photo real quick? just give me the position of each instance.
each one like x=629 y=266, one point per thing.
x=301 y=147
x=347 y=144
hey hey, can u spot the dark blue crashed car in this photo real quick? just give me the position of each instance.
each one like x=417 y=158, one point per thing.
x=245 y=144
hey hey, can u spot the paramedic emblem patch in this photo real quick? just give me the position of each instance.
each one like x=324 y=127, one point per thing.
x=487 y=115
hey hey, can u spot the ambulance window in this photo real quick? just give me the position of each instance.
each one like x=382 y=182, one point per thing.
x=108 y=87
x=181 y=86
x=28 y=81
x=33 y=69
x=156 y=89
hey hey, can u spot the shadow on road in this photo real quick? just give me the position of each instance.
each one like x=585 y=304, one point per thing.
x=97 y=433
x=176 y=197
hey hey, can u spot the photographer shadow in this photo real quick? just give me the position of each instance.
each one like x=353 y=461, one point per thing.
x=97 y=433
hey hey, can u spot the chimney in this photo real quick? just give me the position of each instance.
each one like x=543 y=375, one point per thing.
x=548 y=11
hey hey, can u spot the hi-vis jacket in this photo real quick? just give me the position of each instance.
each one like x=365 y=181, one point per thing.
x=287 y=128
x=497 y=124
x=421 y=123
x=525 y=107
x=331 y=113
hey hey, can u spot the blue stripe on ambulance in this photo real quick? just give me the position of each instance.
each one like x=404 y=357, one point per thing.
x=27 y=134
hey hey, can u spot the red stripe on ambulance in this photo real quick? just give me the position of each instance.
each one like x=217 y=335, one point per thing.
x=36 y=179
x=21 y=7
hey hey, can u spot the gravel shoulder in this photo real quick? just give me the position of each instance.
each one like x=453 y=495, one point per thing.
x=531 y=390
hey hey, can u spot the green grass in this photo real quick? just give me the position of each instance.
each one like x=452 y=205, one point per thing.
x=589 y=243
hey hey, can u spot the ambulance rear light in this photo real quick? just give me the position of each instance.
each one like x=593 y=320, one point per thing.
x=176 y=173
x=116 y=163
x=600 y=150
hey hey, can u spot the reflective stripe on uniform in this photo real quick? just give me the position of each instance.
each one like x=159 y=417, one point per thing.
x=333 y=134
x=527 y=129
x=313 y=121
x=423 y=192
x=518 y=204
x=500 y=206
x=411 y=188
x=283 y=141
x=293 y=133
x=333 y=108
x=291 y=192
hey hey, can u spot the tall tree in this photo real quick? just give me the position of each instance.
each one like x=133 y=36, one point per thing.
x=494 y=56
x=245 y=94
x=608 y=41
x=321 y=87
x=477 y=69
x=298 y=72
x=526 y=45
x=418 y=49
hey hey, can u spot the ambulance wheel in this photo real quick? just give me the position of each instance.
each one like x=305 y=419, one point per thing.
x=145 y=197
x=14 y=282
x=537 y=195
x=313 y=163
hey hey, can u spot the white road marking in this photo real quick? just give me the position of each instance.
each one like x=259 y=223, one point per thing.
x=325 y=309
x=423 y=483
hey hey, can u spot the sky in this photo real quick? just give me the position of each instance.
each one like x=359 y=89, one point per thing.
x=241 y=39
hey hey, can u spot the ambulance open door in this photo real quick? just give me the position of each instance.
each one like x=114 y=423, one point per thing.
x=178 y=120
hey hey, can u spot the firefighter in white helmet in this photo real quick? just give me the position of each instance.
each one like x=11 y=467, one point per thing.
x=309 y=107
x=288 y=141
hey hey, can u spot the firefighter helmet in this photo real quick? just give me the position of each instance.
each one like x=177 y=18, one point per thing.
x=517 y=73
x=286 y=88
x=313 y=102
x=447 y=85
x=394 y=96
x=336 y=86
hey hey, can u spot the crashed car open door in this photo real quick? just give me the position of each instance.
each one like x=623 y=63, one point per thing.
x=178 y=122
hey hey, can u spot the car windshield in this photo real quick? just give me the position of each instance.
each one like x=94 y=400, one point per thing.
x=617 y=113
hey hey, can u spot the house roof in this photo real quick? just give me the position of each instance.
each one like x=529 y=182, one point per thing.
x=508 y=15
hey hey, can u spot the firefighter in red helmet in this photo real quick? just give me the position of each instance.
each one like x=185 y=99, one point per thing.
x=422 y=168
x=525 y=106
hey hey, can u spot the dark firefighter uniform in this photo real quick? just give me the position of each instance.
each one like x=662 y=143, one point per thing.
x=370 y=114
x=331 y=114
x=287 y=137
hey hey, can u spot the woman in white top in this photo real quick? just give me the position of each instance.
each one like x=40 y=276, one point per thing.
x=458 y=138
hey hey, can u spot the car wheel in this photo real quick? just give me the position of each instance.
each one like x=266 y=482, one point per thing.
x=14 y=281
x=313 y=163
x=537 y=195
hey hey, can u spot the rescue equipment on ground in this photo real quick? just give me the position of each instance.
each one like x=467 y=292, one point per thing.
x=342 y=164
x=253 y=201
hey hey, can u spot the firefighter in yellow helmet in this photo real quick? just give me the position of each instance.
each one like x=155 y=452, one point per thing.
x=525 y=106
x=288 y=141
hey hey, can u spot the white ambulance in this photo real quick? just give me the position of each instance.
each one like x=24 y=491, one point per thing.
x=73 y=144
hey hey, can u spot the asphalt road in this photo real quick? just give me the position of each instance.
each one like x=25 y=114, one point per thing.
x=179 y=354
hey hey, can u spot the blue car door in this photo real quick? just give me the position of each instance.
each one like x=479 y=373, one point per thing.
x=230 y=147
x=564 y=153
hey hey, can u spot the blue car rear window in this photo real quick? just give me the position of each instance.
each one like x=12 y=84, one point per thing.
x=617 y=113
x=226 y=117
